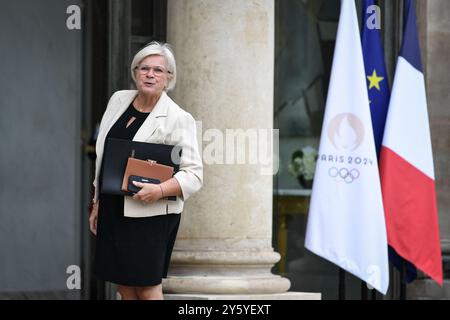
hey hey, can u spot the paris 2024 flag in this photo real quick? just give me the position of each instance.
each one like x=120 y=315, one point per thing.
x=406 y=162
x=346 y=220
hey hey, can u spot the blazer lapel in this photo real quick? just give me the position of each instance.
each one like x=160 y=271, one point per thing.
x=153 y=121
x=119 y=108
x=123 y=102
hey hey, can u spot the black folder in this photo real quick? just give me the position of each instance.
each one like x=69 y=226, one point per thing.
x=115 y=158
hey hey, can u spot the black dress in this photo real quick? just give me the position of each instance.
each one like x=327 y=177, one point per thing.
x=131 y=251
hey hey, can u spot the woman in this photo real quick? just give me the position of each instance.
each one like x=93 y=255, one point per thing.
x=135 y=235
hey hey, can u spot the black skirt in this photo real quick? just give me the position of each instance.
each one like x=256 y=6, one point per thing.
x=132 y=251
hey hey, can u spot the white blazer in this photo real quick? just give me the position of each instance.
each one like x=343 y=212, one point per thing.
x=166 y=124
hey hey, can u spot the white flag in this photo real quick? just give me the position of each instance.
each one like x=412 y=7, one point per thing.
x=346 y=220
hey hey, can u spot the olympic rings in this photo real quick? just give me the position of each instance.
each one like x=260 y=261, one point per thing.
x=344 y=174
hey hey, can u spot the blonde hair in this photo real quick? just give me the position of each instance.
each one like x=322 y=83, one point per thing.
x=158 y=49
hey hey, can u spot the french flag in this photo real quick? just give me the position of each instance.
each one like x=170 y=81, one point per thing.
x=406 y=163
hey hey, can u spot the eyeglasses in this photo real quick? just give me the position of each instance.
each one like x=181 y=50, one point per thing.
x=157 y=71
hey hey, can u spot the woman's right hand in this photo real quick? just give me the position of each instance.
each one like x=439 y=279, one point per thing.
x=93 y=217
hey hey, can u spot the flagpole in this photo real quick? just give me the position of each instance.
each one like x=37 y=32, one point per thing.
x=364 y=291
x=341 y=284
x=402 y=281
x=374 y=294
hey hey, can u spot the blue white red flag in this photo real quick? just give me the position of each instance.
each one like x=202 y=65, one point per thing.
x=406 y=162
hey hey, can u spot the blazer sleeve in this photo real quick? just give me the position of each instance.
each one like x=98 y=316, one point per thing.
x=105 y=117
x=190 y=175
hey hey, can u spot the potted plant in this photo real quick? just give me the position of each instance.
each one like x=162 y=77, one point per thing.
x=303 y=164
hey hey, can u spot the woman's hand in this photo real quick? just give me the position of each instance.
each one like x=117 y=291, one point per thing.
x=149 y=193
x=93 y=217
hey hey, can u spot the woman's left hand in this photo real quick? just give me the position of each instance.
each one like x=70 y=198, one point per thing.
x=149 y=193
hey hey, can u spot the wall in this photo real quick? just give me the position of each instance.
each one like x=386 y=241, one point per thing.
x=40 y=155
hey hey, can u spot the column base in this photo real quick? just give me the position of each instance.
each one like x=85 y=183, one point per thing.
x=267 y=284
x=274 y=296
x=224 y=272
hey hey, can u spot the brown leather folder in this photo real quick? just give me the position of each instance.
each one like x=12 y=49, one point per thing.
x=146 y=168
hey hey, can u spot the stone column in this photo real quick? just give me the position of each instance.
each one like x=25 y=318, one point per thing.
x=437 y=64
x=434 y=27
x=225 y=64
